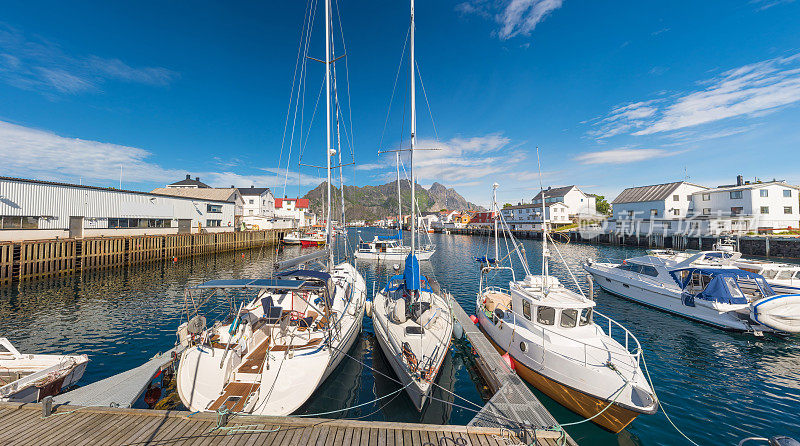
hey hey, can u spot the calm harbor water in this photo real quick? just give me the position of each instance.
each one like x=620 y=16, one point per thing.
x=718 y=387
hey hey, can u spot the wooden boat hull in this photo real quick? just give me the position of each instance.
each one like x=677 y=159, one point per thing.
x=614 y=419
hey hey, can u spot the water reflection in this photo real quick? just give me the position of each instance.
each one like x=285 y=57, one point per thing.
x=717 y=386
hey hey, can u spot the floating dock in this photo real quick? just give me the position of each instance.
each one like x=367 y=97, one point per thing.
x=513 y=405
x=84 y=426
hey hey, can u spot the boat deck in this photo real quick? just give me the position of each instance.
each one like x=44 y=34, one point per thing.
x=84 y=426
x=513 y=405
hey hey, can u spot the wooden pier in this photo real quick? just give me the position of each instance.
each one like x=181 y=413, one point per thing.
x=41 y=259
x=513 y=405
x=24 y=424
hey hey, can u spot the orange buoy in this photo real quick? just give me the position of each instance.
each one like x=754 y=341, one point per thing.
x=509 y=361
x=473 y=318
x=242 y=255
x=175 y=260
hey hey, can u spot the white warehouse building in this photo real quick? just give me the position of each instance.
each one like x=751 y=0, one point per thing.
x=33 y=209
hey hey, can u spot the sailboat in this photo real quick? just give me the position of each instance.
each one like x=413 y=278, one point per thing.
x=556 y=340
x=411 y=319
x=286 y=336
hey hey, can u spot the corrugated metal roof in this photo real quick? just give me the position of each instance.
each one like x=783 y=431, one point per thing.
x=199 y=193
x=109 y=189
x=656 y=192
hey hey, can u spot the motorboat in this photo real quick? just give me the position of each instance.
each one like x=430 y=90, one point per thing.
x=411 y=315
x=292 y=238
x=391 y=247
x=316 y=238
x=784 y=278
x=284 y=334
x=27 y=378
x=272 y=354
x=704 y=287
x=559 y=343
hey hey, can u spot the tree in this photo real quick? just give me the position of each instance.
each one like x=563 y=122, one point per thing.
x=507 y=205
x=602 y=205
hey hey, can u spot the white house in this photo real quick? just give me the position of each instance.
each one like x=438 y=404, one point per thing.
x=529 y=216
x=580 y=204
x=296 y=210
x=258 y=201
x=659 y=208
x=746 y=206
x=33 y=210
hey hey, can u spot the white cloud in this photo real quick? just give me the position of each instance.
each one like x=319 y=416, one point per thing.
x=38 y=154
x=766 y=4
x=33 y=63
x=751 y=91
x=623 y=156
x=522 y=16
x=515 y=17
x=373 y=166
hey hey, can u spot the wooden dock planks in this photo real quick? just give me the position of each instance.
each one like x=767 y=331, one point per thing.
x=87 y=426
x=6 y=263
x=47 y=258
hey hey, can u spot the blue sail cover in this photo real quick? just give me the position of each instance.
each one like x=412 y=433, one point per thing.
x=484 y=259
x=411 y=273
x=718 y=289
x=398 y=236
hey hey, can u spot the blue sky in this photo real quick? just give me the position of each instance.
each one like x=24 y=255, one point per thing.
x=615 y=95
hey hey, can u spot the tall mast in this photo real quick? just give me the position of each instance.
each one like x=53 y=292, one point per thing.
x=496 y=217
x=413 y=132
x=545 y=251
x=399 y=201
x=328 y=126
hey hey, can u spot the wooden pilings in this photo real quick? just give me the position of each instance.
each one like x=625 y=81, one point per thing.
x=30 y=260
x=6 y=262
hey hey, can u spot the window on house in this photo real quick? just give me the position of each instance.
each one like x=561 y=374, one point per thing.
x=676 y=212
x=736 y=194
x=787 y=209
x=676 y=198
x=213 y=223
x=736 y=211
x=33 y=222
x=251 y=212
x=688 y=198
x=526 y=309
x=765 y=209
x=252 y=201
x=630 y=214
x=667 y=225
x=787 y=193
x=654 y=212
x=706 y=211
x=214 y=208
x=706 y=197
x=763 y=192
x=546 y=315
x=11 y=222
x=159 y=223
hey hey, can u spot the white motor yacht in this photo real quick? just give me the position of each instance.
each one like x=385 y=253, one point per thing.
x=27 y=378
x=702 y=286
x=411 y=317
x=561 y=345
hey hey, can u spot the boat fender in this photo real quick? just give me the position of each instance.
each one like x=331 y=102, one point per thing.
x=368 y=308
x=473 y=318
x=509 y=361
x=458 y=330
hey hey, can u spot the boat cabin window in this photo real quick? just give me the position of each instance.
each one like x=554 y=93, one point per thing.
x=784 y=275
x=526 y=309
x=586 y=316
x=769 y=274
x=797 y=275
x=569 y=318
x=639 y=269
x=546 y=315
x=733 y=287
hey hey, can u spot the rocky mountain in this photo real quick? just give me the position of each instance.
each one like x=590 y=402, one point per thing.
x=377 y=202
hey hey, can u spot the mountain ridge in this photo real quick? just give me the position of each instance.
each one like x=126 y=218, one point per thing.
x=378 y=202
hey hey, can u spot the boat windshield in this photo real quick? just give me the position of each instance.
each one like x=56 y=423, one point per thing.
x=733 y=287
x=785 y=274
x=769 y=274
x=797 y=275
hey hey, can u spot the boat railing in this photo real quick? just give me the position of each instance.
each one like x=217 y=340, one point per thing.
x=629 y=358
